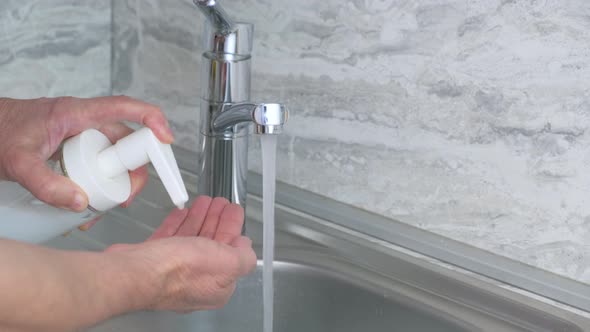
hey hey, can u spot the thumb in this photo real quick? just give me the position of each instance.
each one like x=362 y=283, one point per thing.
x=33 y=173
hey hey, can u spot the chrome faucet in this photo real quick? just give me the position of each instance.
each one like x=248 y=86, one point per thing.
x=226 y=110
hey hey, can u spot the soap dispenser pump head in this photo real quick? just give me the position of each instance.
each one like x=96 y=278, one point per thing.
x=138 y=149
x=101 y=169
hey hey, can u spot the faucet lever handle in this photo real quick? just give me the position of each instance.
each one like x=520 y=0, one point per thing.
x=216 y=15
x=268 y=118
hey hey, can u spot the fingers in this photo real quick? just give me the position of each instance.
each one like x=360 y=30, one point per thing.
x=230 y=224
x=139 y=177
x=32 y=173
x=196 y=217
x=115 y=131
x=241 y=242
x=170 y=225
x=81 y=114
x=212 y=219
x=246 y=255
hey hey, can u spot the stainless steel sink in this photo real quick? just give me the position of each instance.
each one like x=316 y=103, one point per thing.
x=307 y=299
x=332 y=278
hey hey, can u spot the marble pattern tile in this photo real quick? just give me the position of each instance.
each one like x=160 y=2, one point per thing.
x=55 y=48
x=156 y=58
x=465 y=118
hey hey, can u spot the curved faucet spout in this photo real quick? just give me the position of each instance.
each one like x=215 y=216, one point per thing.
x=216 y=15
x=268 y=118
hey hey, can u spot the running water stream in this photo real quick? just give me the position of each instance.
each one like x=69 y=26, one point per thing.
x=269 y=149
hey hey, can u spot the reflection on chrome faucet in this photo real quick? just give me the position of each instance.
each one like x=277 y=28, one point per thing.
x=226 y=109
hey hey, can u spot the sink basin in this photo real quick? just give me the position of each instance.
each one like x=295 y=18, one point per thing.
x=306 y=299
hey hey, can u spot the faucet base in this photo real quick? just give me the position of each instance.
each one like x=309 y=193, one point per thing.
x=224 y=167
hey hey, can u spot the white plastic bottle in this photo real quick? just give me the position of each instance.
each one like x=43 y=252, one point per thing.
x=101 y=169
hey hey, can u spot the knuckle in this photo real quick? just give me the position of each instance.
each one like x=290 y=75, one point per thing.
x=59 y=115
x=62 y=103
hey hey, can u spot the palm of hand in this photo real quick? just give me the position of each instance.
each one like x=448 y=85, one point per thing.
x=200 y=253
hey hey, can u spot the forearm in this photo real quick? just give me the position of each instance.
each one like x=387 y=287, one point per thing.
x=51 y=290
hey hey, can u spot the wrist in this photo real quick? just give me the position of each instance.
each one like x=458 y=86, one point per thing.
x=108 y=284
x=65 y=290
x=135 y=283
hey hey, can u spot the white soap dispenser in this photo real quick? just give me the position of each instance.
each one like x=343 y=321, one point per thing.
x=101 y=169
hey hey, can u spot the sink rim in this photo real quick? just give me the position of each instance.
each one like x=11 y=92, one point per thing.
x=482 y=303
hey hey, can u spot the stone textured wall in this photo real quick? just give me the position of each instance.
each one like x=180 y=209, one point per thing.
x=466 y=118
x=54 y=48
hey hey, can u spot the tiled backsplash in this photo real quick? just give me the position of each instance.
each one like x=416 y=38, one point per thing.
x=55 y=48
x=465 y=118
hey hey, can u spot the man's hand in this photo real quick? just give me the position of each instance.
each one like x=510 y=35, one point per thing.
x=31 y=131
x=195 y=257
